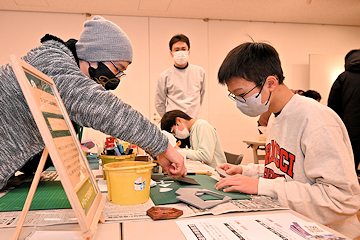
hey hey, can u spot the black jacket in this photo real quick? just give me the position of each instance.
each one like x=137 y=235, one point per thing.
x=344 y=96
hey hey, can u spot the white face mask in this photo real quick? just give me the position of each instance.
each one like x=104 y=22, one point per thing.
x=183 y=133
x=253 y=106
x=181 y=57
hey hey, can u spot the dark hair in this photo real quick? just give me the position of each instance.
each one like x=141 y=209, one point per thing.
x=300 y=92
x=251 y=61
x=179 y=38
x=169 y=119
x=312 y=94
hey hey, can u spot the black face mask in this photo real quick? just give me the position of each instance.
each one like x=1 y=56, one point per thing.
x=103 y=76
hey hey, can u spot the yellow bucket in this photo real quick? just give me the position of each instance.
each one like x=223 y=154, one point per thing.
x=111 y=158
x=128 y=183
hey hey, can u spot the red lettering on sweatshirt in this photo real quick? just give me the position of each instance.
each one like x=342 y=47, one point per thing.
x=287 y=162
x=283 y=160
x=270 y=174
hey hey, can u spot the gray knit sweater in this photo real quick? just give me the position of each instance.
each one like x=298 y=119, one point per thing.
x=86 y=102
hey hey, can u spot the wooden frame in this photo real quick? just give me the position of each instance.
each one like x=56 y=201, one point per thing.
x=63 y=146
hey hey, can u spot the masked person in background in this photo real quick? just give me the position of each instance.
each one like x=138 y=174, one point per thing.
x=182 y=86
x=204 y=141
x=83 y=71
x=309 y=164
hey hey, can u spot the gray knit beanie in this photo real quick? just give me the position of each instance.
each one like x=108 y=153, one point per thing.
x=102 y=40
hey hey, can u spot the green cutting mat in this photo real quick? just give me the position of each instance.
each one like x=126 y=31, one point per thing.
x=205 y=181
x=48 y=195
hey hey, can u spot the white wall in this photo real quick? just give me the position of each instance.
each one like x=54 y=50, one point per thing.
x=324 y=69
x=21 y=31
x=210 y=42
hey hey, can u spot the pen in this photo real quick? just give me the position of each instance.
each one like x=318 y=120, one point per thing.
x=117 y=152
x=121 y=149
x=193 y=173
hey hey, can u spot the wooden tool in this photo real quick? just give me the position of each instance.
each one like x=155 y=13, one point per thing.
x=159 y=213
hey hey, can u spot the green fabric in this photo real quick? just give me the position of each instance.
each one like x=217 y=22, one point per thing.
x=48 y=195
x=205 y=181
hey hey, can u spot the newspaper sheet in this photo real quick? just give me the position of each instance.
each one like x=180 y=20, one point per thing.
x=121 y=213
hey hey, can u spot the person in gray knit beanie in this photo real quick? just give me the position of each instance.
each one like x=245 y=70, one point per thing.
x=104 y=51
x=102 y=54
x=102 y=40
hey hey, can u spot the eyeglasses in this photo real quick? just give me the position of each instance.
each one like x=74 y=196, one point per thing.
x=241 y=98
x=120 y=74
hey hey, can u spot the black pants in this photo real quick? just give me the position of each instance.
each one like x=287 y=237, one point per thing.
x=356 y=150
x=31 y=165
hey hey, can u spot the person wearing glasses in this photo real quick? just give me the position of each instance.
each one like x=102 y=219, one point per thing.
x=204 y=141
x=309 y=164
x=83 y=71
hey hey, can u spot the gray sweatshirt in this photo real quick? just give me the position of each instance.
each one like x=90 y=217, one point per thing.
x=87 y=103
x=309 y=165
x=181 y=89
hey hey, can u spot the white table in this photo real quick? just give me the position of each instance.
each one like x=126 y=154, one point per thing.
x=104 y=231
x=140 y=229
x=136 y=230
x=168 y=229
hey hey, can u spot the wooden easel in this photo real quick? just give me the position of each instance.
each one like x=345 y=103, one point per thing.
x=31 y=194
x=60 y=138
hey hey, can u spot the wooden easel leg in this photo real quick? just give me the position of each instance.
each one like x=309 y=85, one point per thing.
x=101 y=219
x=93 y=227
x=31 y=194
